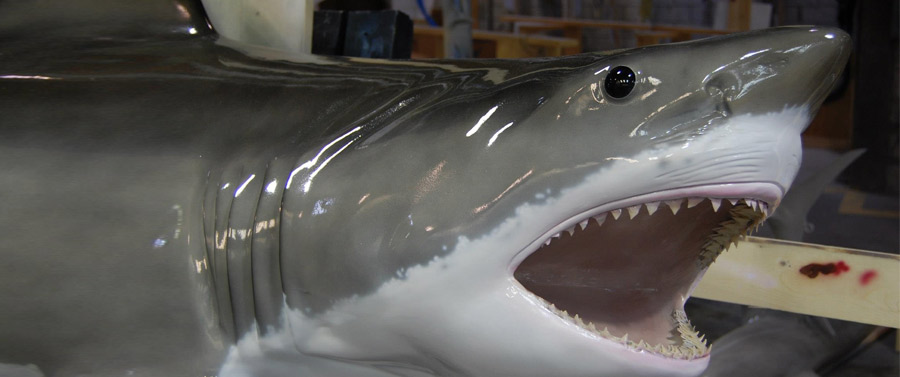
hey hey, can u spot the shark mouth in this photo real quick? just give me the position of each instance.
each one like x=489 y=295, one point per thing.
x=625 y=274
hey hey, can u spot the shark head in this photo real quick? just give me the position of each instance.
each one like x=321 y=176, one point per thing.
x=553 y=222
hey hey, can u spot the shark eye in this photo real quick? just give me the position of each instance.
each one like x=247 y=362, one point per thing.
x=619 y=82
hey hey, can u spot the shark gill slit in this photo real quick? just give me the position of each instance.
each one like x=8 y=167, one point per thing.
x=217 y=238
x=243 y=248
x=210 y=207
x=237 y=249
x=268 y=288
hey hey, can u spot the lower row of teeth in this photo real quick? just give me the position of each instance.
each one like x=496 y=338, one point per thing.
x=693 y=344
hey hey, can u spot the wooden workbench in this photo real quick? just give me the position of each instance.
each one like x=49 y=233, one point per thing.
x=428 y=42
x=646 y=33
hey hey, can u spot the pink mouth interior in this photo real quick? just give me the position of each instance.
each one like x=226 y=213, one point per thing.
x=628 y=275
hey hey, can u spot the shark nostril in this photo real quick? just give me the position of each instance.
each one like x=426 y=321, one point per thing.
x=723 y=108
x=723 y=89
x=722 y=105
x=724 y=85
x=714 y=91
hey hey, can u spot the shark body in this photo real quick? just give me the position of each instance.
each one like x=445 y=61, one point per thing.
x=176 y=203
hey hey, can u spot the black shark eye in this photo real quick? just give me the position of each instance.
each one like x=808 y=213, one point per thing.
x=619 y=82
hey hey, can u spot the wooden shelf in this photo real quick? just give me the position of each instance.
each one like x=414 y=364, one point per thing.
x=428 y=42
x=572 y=28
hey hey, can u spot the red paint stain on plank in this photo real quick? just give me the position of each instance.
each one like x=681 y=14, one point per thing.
x=814 y=269
x=867 y=277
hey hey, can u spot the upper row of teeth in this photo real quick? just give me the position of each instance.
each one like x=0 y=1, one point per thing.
x=674 y=205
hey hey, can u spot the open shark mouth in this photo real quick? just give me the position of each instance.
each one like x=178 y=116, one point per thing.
x=625 y=274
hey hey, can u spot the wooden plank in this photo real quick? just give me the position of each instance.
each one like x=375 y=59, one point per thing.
x=531 y=28
x=572 y=28
x=739 y=14
x=848 y=284
x=610 y=24
x=853 y=203
x=474 y=7
x=833 y=125
x=507 y=49
x=508 y=45
x=579 y=22
x=819 y=142
x=497 y=35
x=647 y=38
x=684 y=29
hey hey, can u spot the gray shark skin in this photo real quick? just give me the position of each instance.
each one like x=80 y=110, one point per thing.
x=179 y=204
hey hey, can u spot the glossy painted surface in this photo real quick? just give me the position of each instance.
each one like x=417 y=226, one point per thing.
x=167 y=194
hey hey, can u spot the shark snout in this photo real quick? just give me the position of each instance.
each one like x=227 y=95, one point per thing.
x=758 y=92
x=794 y=70
x=825 y=61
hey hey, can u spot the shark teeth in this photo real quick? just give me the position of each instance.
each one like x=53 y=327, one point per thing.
x=633 y=211
x=745 y=214
x=692 y=202
x=616 y=213
x=716 y=203
x=688 y=345
x=583 y=224
x=674 y=205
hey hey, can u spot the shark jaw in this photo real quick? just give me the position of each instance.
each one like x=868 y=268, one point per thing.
x=464 y=313
x=622 y=273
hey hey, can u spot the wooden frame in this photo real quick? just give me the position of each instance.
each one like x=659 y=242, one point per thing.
x=848 y=284
x=428 y=42
x=572 y=28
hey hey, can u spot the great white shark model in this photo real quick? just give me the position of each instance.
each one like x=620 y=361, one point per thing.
x=179 y=204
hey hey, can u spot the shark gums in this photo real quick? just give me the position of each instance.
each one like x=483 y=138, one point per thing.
x=178 y=204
